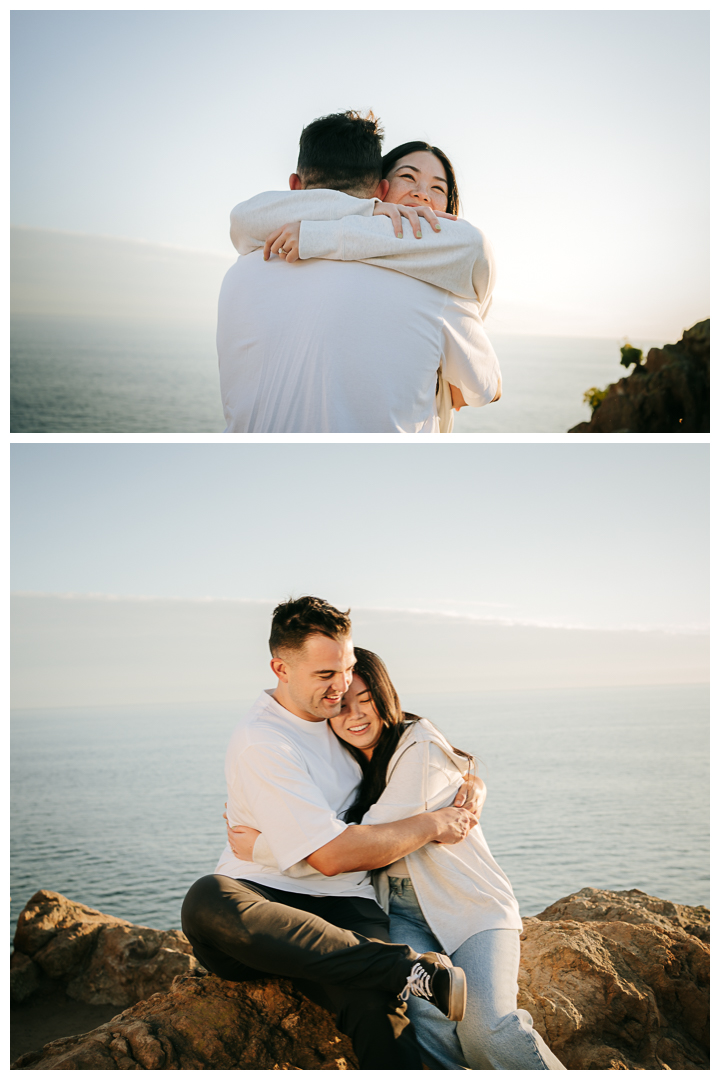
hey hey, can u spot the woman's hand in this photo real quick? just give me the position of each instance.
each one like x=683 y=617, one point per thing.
x=241 y=839
x=284 y=242
x=396 y=212
x=472 y=795
x=458 y=401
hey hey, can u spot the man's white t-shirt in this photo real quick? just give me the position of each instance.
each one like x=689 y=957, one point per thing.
x=290 y=778
x=326 y=346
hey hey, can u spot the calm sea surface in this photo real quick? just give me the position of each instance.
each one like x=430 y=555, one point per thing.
x=122 y=808
x=80 y=375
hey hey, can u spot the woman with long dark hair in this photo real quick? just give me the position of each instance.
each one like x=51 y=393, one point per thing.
x=446 y=898
x=409 y=158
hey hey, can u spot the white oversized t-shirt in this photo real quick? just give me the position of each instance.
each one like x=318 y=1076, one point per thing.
x=290 y=778
x=324 y=346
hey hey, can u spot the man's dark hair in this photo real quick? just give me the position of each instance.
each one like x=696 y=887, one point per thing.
x=296 y=620
x=342 y=151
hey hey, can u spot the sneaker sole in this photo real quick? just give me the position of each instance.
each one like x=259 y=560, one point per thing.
x=458 y=994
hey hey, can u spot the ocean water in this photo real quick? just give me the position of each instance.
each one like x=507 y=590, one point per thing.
x=122 y=808
x=84 y=376
x=110 y=376
x=543 y=382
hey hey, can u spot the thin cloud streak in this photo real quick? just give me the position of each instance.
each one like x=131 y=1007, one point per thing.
x=420 y=612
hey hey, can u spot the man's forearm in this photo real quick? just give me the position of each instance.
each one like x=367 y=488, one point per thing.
x=367 y=847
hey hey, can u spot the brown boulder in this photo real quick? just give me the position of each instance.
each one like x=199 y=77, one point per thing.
x=205 y=1023
x=670 y=392
x=613 y=981
x=93 y=957
x=633 y=906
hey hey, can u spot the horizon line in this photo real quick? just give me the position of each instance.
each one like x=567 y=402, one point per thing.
x=527 y=311
x=686 y=630
x=236 y=702
x=127 y=240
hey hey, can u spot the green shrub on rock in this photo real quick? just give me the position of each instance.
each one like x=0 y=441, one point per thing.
x=630 y=355
x=594 y=397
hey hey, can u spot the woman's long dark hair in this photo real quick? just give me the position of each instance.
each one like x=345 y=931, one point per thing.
x=370 y=668
x=389 y=160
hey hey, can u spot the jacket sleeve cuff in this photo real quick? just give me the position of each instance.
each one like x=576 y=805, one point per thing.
x=321 y=240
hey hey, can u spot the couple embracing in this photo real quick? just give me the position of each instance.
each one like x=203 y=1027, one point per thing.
x=358 y=300
x=356 y=866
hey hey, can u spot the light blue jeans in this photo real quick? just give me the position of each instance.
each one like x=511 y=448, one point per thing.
x=495 y=1034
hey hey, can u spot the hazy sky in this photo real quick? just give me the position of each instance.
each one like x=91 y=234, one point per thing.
x=580 y=138
x=147 y=573
x=79 y=651
x=603 y=536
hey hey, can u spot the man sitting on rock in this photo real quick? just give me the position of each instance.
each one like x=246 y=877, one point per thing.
x=289 y=777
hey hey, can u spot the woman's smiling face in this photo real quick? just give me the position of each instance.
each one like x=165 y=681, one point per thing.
x=418 y=179
x=358 y=722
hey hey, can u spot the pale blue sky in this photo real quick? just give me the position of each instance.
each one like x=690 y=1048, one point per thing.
x=580 y=138
x=604 y=536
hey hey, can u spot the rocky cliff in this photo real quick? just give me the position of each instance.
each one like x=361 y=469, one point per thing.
x=613 y=980
x=670 y=392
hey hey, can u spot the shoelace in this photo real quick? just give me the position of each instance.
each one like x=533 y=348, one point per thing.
x=418 y=984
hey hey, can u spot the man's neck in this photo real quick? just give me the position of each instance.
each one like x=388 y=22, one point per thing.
x=378 y=190
x=355 y=193
x=289 y=705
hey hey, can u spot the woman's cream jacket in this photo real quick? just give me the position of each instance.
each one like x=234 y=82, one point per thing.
x=460 y=887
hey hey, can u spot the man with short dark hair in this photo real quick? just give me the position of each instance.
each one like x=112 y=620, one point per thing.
x=341 y=151
x=345 y=346
x=318 y=922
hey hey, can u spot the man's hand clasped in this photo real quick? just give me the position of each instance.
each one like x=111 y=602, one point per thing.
x=454 y=823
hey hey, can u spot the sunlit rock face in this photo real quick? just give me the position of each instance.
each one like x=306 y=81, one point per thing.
x=619 y=980
x=613 y=980
x=670 y=392
x=93 y=957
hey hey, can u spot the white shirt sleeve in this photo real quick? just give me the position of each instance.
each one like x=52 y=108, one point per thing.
x=289 y=809
x=252 y=221
x=469 y=361
x=263 y=856
x=458 y=258
x=422 y=779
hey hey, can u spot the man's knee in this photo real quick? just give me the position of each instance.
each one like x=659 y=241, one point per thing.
x=213 y=926
x=201 y=897
x=212 y=909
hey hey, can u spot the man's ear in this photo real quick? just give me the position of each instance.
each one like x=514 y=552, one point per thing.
x=296 y=183
x=279 y=668
x=381 y=190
